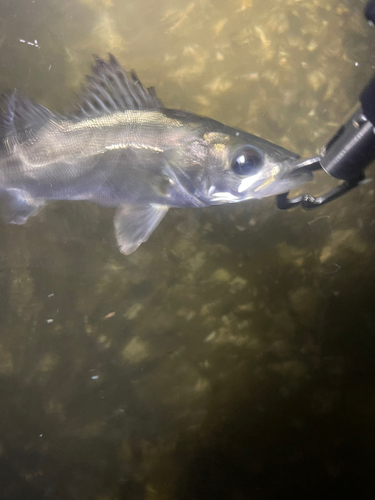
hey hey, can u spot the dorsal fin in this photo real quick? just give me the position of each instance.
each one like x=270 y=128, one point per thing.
x=110 y=88
x=19 y=114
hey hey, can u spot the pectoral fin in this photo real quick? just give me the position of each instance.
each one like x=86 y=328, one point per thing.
x=134 y=224
x=18 y=206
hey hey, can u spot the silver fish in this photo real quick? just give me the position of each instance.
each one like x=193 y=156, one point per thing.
x=121 y=148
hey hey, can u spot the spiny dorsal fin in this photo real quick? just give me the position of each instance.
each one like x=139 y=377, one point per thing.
x=19 y=114
x=110 y=88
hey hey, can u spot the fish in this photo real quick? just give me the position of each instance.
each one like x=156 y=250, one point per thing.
x=120 y=147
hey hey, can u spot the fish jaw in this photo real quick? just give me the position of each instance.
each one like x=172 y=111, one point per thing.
x=282 y=178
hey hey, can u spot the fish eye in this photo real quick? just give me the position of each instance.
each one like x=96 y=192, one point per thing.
x=247 y=161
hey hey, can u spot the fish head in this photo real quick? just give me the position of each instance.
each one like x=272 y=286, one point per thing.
x=216 y=164
x=240 y=166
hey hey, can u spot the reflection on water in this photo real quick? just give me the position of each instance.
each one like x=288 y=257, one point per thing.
x=230 y=357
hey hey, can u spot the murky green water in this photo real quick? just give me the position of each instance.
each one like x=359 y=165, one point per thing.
x=232 y=356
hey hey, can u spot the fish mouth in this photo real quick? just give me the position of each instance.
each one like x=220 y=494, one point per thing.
x=301 y=171
x=296 y=173
x=288 y=175
x=305 y=165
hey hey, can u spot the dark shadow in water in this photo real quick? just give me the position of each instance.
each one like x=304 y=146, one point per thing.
x=14 y=487
x=318 y=442
x=37 y=465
